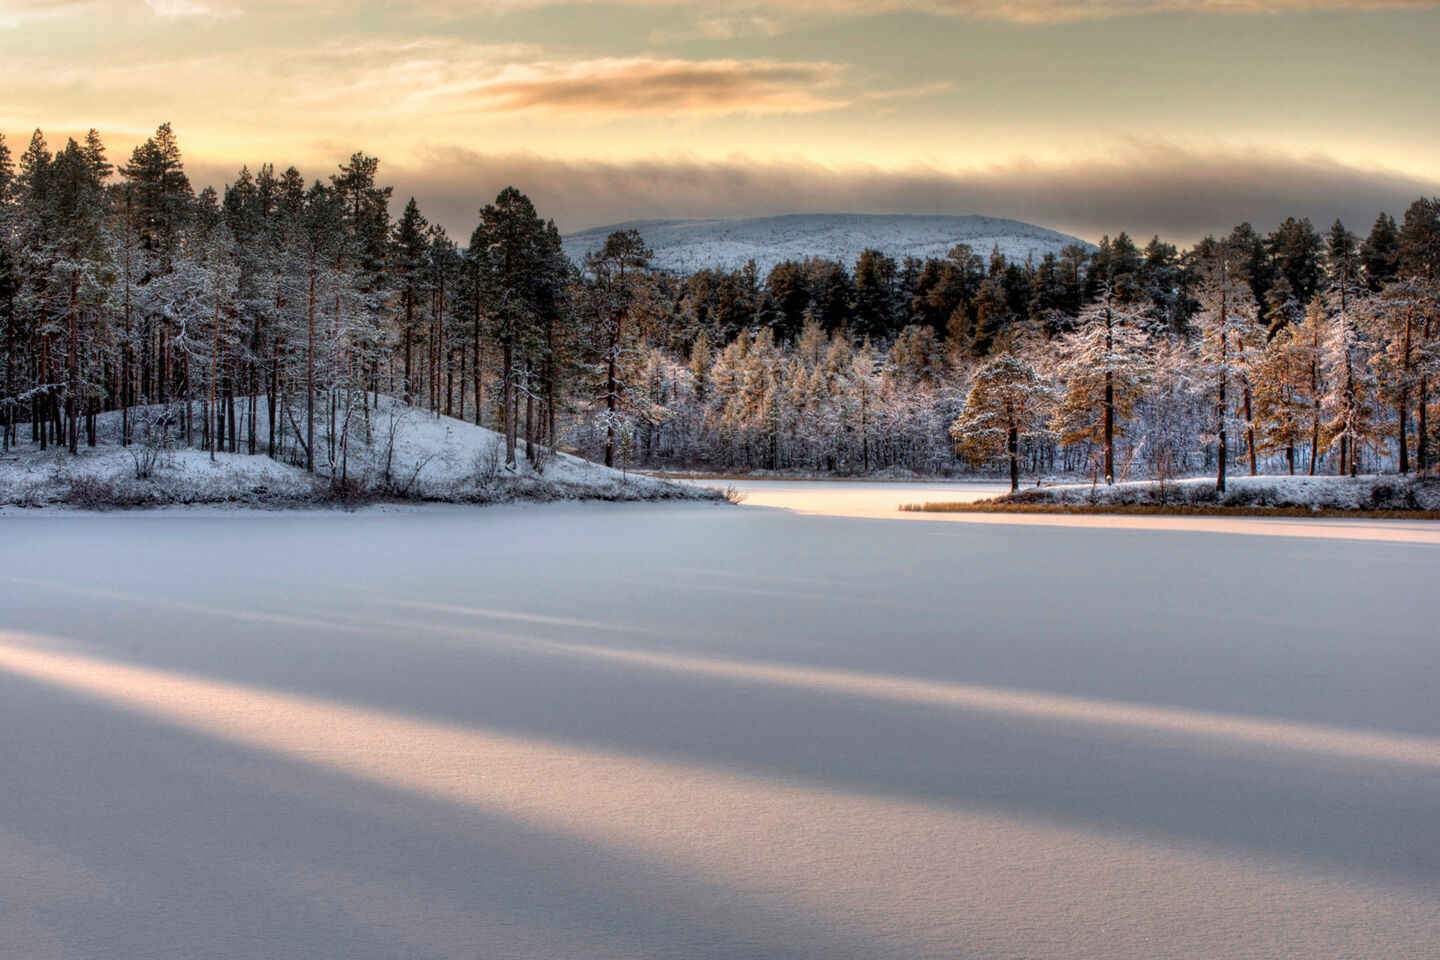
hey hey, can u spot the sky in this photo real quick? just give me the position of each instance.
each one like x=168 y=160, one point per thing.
x=1176 y=117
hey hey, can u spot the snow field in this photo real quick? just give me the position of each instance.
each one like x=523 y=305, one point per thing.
x=660 y=730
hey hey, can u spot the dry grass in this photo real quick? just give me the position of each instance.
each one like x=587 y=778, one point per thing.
x=1170 y=510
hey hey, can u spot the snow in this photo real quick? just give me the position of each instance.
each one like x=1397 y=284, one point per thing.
x=666 y=729
x=1319 y=493
x=855 y=498
x=433 y=458
x=684 y=246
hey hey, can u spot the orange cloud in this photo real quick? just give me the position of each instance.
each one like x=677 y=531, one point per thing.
x=1062 y=11
x=729 y=18
x=652 y=85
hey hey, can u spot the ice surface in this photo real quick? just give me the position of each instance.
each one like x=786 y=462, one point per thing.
x=855 y=498
x=691 y=730
x=684 y=246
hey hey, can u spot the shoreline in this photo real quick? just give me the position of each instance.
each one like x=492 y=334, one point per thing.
x=1172 y=510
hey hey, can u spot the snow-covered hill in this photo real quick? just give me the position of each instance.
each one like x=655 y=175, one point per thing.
x=683 y=246
x=396 y=453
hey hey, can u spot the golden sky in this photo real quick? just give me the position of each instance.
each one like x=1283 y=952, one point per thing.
x=1177 y=116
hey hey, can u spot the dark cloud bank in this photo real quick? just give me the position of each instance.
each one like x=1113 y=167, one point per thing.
x=1181 y=197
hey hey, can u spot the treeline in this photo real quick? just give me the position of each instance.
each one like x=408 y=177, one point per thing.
x=268 y=317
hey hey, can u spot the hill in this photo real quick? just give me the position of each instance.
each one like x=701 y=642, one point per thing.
x=395 y=453
x=684 y=246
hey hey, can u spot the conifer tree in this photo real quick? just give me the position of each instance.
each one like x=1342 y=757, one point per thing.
x=411 y=246
x=1231 y=335
x=620 y=284
x=1287 y=390
x=1008 y=402
x=1105 y=371
x=1350 y=401
x=81 y=264
x=1420 y=261
x=510 y=247
x=1397 y=318
x=1380 y=254
x=1296 y=250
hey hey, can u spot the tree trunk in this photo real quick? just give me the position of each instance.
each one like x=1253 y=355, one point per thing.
x=1250 y=428
x=1013 y=445
x=1224 y=447
x=405 y=383
x=73 y=359
x=1422 y=427
x=610 y=409
x=508 y=399
x=1314 y=417
x=530 y=426
x=475 y=369
x=1109 y=428
x=310 y=380
x=210 y=407
x=1405 y=396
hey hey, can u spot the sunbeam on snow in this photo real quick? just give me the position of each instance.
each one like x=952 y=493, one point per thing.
x=900 y=875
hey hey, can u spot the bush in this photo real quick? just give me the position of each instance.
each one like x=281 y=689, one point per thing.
x=96 y=493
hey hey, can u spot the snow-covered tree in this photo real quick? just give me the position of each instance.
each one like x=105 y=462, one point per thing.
x=1008 y=403
x=1105 y=369
x=1231 y=337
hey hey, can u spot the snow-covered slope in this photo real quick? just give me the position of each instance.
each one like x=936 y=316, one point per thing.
x=395 y=452
x=684 y=246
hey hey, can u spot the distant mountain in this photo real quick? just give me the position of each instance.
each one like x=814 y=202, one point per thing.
x=684 y=246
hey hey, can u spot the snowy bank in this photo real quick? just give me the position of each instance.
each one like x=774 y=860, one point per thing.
x=1369 y=493
x=390 y=453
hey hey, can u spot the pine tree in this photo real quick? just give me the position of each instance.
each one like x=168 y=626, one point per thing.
x=915 y=360
x=408 y=264
x=1231 y=336
x=1008 y=402
x=620 y=283
x=509 y=247
x=1351 y=398
x=1397 y=319
x=1420 y=261
x=1296 y=250
x=1287 y=388
x=81 y=268
x=875 y=295
x=162 y=193
x=10 y=349
x=1105 y=371
x=1380 y=254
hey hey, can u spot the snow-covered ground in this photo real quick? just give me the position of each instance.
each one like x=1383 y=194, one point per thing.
x=394 y=452
x=670 y=730
x=684 y=246
x=1319 y=493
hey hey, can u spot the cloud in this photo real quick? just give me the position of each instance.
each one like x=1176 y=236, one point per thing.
x=193 y=8
x=1149 y=189
x=434 y=79
x=14 y=13
x=644 y=85
x=1064 y=11
x=727 y=19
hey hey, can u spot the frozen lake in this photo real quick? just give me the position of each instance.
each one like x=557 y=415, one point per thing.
x=690 y=730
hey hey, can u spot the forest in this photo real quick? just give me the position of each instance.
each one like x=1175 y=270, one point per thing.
x=268 y=317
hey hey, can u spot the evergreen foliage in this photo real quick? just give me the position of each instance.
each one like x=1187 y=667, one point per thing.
x=241 y=319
